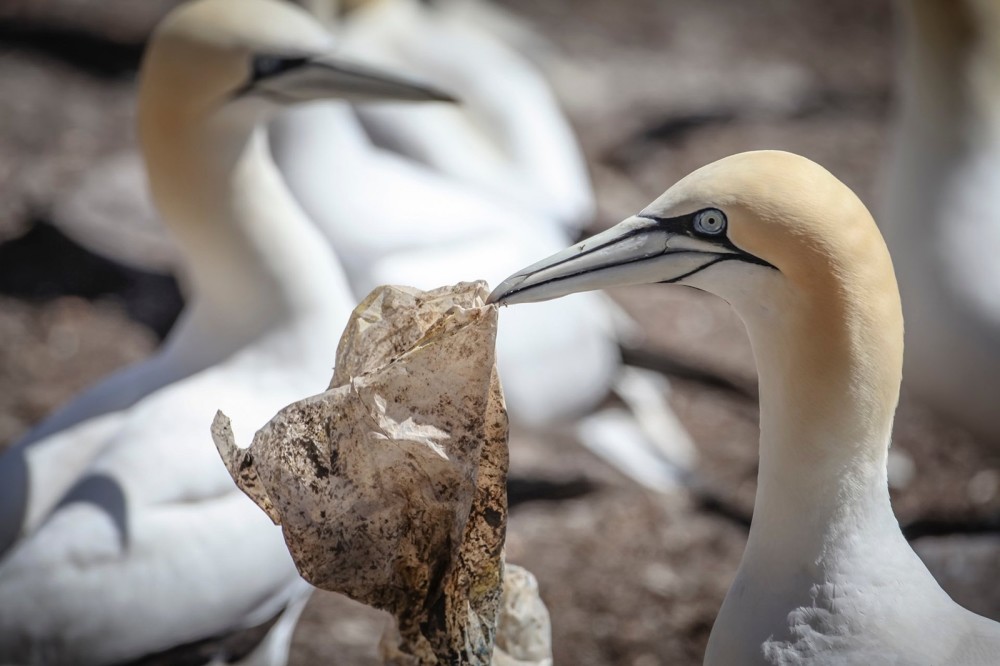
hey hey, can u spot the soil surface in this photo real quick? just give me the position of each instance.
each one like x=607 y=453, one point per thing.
x=655 y=89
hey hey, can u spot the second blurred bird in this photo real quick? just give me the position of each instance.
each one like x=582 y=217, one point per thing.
x=427 y=197
x=941 y=218
x=395 y=220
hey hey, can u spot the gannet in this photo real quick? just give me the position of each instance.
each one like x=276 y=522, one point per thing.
x=121 y=533
x=941 y=217
x=508 y=138
x=827 y=577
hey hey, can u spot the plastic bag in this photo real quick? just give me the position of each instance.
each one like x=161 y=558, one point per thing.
x=390 y=487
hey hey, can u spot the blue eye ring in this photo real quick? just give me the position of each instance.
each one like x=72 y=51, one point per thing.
x=710 y=222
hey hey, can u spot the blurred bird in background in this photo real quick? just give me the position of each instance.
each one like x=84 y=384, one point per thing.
x=508 y=138
x=942 y=221
x=472 y=192
x=426 y=227
x=121 y=533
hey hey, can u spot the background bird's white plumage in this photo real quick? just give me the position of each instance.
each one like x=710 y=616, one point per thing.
x=941 y=219
x=423 y=229
x=453 y=193
x=152 y=527
x=508 y=138
x=336 y=174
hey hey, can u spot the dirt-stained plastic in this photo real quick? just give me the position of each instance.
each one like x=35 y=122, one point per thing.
x=390 y=487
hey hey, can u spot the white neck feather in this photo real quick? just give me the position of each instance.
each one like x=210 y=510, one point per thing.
x=824 y=539
x=827 y=576
x=823 y=445
x=254 y=260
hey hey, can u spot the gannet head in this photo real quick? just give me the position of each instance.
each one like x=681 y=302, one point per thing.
x=789 y=246
x=246 y=58
x=740 y=227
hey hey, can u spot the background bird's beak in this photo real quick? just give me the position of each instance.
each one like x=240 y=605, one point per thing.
x=326 y=77
x=639 y=250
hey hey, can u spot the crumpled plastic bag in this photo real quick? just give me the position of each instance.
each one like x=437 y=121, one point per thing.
x=390 y=487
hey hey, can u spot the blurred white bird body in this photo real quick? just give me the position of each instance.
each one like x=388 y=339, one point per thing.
x=335 y=172
x=942 y=221
x=121 y=531
x=459 y=200
x=151 y=546
x=423 y=229
x=827 y=577
x=508 y=138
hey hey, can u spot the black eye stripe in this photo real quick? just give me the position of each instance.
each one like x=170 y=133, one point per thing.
x=266 y=65
x=684 y=225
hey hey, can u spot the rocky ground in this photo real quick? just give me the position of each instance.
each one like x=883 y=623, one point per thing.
x=655 y=89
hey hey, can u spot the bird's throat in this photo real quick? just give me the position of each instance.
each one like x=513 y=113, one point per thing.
x=829 y=383
x=252 y=256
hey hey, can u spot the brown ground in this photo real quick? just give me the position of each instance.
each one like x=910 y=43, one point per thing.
x=656 y=89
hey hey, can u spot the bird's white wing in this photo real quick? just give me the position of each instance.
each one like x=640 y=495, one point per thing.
x=42 y=465
x=179 y=572
x=155 y=528
x=35 y=474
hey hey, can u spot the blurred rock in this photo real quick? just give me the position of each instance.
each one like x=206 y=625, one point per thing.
x=108 y=210
x=55 y=123
x=115 y=20
x=44 y=264
x=626 y=572
x=51 y=351
x=900 y=469
x=336 y=629
x=983 y=487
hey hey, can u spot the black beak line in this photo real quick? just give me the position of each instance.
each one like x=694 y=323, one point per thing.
x=669 y=225
x=354 y=77
x=264 y=66
x=672 y=227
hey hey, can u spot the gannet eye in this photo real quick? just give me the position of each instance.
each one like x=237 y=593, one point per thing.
x=710 y=222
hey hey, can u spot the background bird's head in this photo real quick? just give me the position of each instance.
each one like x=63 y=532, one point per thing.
x=244 y=59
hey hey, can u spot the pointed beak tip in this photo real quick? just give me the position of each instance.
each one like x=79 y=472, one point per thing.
x=441 y=96
x=496 y=297
x=504 y=290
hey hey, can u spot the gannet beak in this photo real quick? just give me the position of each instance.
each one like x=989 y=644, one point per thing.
x=640 y=250
x=291 y=80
